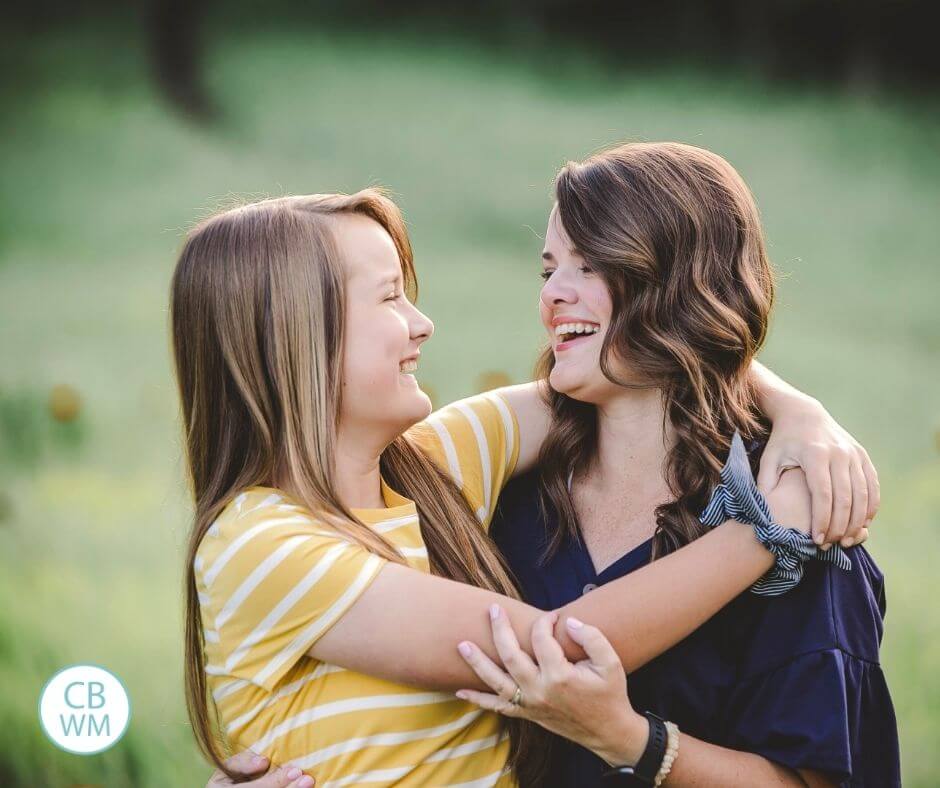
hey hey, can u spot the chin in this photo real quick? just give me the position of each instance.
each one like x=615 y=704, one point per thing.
x=426 y=406
x=417 y=408
x=564 y=382
x=575 y=387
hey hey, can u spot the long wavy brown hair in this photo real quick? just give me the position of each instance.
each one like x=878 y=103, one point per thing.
x=257 y=313
x=675 y=234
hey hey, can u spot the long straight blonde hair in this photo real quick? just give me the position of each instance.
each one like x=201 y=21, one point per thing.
x=257 y=311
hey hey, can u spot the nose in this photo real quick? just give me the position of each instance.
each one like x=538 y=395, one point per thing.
x=421 y=327
x=558 y=290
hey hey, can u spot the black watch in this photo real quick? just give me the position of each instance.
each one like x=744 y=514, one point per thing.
x=645 y=770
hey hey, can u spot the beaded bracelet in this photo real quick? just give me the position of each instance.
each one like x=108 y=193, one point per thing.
x=672 y=751
x=737 y=498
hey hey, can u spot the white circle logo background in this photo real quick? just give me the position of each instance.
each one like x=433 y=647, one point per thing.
x=84 y=709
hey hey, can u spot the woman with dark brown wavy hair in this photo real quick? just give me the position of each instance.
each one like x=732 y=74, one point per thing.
x=657 y=298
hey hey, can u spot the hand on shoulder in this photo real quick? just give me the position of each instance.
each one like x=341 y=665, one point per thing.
x=790 y=500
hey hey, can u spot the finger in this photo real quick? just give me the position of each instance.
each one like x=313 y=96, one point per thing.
x=490 y=702
x=247 y=762
x=284 y=777
x=862 y=536
x=819 y=481
x=489 y=672
x=841 y=499
x=769 y=473
x=874 y=486
x=597 y=647
x=519 y=664
x=859 y=503
x=548 y=652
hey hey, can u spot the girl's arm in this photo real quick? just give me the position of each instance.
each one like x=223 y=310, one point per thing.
x=407 y=624
x=533 y=417
x=842 y=480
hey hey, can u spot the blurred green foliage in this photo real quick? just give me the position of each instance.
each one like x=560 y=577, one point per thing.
x=99 y=182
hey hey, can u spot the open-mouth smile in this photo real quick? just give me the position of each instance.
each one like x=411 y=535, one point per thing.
x=567 y=335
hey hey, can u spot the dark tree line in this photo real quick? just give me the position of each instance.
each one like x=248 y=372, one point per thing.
x=888 y=45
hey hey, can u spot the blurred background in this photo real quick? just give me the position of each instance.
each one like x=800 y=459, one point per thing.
x=122 y=126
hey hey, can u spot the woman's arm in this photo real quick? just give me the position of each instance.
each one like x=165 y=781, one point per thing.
x=842 y=480
x=588 y=703
x=700 y=763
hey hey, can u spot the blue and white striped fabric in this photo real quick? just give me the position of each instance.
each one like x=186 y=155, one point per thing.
x=737 y=498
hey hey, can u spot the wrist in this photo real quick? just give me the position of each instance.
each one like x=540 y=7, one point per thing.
x=627 y=741
x=740 y=540
x=775 y=396
x=782 y=403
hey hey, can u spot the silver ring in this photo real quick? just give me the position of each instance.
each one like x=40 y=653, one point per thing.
x=516 y=699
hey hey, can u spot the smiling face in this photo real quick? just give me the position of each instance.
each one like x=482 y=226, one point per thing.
x=383 y=334
x=575 y=307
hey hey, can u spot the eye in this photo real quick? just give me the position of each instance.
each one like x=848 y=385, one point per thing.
x=545 y=275
x=586 y=269
x=392 y=297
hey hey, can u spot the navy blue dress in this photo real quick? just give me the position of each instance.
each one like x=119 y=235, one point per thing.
x=795 y=678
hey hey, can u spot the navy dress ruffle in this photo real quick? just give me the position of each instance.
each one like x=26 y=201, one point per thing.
x=795 y=678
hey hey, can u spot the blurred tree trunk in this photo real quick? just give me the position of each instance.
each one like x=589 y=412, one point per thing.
x=174 y=37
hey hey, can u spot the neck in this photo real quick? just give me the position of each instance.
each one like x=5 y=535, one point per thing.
x=358 y=479
x=633 y=439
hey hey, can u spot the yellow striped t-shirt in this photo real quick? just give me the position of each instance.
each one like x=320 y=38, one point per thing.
x=272 y=579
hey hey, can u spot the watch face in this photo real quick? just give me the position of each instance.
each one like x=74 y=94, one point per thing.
x=621 y=775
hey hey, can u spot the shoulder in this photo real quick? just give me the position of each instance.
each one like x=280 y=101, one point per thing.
x=254 y=522
x=474 y=440
x=480 y=413
x=257 y=506
x=830 y=609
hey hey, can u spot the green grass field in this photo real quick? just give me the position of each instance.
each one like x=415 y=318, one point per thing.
x=99 y=182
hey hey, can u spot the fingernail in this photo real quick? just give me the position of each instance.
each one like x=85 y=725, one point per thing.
x=293 y=774
x=258 y=760
x=494 y=611
x=464 y=648
x=818 y=538
x=847 y=542
x=825 y=547
x=461 y=694
x=573 y=623
x=306 y=782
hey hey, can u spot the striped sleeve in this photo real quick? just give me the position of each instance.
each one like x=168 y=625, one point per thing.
x=476 y=442
x=273 y=588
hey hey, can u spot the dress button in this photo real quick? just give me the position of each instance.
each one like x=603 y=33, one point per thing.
x=588 y=587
